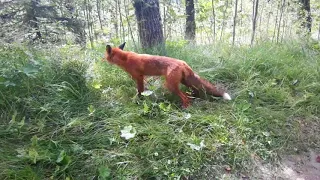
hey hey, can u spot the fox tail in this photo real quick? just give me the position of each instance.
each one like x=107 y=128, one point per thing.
x=197 y=84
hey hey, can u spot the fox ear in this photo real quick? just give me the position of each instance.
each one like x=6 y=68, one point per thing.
x=108 y=48
x=122 y=45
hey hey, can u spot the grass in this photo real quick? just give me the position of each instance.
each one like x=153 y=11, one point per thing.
x=63 y=113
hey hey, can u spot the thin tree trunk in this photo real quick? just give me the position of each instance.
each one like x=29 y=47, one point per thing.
x=260 y=20
x=234 y=21
x=121 y=22
x=201 y=34
x=99 y=12
x=254 y=19
x=93 y=34
x=129 y=26
x=284 y=25
x=280 y=18
x=214 y=21
x=319 y=33
x=267 y=28
x=164 y=23
x=223 y=19
x=275 y=25
x=241 y=21
x=190 y=32
x=169 y=35
x=180 y=30
x=88 y=23
x=115 y=20
x=290 y=30
x=206 y=33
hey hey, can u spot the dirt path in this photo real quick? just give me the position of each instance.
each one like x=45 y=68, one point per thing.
x=302 y=167
x=293 y=167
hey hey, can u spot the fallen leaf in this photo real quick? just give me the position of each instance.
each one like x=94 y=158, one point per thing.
x=128 y=132
x=187 y=116
x=96 y=85
x=197 y=147
x=146 y=93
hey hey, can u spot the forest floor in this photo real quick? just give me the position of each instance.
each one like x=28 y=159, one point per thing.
x=65 y=114
x=306 y=164
x=303 y=165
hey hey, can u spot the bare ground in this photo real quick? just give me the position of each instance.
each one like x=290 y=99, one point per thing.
x=301 y=165
x=300 y=162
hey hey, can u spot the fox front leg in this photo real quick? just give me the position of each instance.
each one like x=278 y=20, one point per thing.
x=140 y=83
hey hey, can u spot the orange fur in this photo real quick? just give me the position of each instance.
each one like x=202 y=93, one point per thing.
x=175 y=72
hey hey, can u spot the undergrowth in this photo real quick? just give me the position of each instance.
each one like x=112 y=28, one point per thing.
x=65 y=114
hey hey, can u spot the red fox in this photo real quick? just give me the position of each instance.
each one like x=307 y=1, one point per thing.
x=175 y=72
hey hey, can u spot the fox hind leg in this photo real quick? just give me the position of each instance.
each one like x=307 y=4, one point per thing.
x=195 y=92
x=172 y=83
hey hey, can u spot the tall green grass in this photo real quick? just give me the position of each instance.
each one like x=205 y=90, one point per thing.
x=63 y=110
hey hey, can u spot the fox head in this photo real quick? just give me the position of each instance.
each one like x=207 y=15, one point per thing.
x=110 y=53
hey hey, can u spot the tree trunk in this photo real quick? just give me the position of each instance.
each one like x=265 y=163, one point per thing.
x=254 y=18
x=241 y=20
x=275 y=25
x=87 y=15
x=114 y=17
x=129 y=26
x=149 y=23
x=234 y=21
x=190 y=32
x=91 y=22
x=32 y=19
x=280 y=18
x=99 y=12
x=319 y=33
x=223 y=19
x=164 y=22
x=260 y=19
x=284 y=24
x=214 y=21
x=121 y=23
x=305 y=15
x=267 y=28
